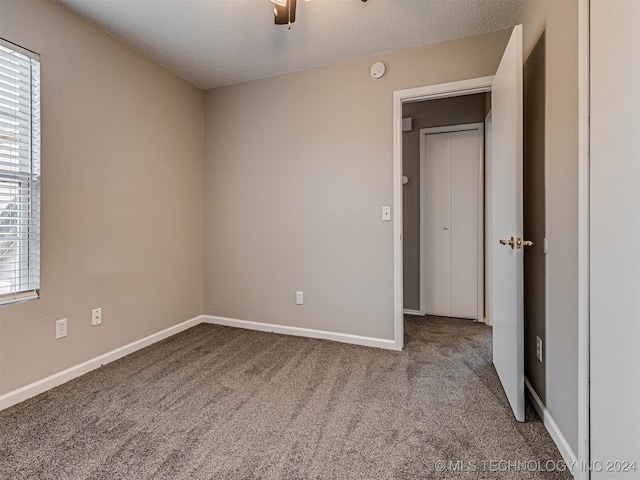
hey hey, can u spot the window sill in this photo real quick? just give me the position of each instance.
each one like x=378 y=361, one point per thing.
x=11 y=298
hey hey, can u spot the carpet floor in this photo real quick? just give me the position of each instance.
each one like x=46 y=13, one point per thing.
x=222 y=403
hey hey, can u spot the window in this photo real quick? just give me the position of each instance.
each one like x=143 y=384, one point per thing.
x=19 y=173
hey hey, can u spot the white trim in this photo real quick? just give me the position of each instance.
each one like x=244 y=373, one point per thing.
x=19 y=395
x=583 y=238
x=301 y=332
x=479 y=126
x=445 y=90
x=452 y=89
x=423 y=227
x=568 y=456
x=398 y=288
x=488 y=129
x=453 y=128
x=407 y=311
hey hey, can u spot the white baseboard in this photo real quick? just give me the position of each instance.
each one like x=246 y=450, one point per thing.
x=408 y=311
x=569 y=457
x=16 y=396
x=19 y=395
x=302 y=332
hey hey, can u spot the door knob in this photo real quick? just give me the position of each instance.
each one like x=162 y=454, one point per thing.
x=445 y=227
x=511 y=242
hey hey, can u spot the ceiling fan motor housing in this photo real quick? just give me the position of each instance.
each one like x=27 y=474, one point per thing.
x=285 y=15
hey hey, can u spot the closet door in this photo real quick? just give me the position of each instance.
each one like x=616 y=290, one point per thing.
x=436 y=218
x=451 y=212
x=464 y=223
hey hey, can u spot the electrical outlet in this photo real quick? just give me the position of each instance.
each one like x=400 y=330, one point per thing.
x=299 y=298
x=386 y=213
x=539 y=348
x=61 y=328
x=96 y=316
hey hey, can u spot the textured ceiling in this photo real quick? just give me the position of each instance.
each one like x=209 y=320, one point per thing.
x=212 y=43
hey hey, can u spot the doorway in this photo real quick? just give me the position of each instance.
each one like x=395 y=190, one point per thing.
x=505 y=232
x=443 y=207
x=401 y=98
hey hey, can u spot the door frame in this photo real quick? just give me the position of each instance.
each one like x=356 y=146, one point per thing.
x=479 y=126
x=488 y=131
x=430 y=92
x=584 y=394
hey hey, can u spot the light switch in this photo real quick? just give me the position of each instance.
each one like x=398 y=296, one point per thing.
x=386 y=213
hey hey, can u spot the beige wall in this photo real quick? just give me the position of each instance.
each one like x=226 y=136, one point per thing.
x=427 y=114
x=559 y=21
x=534 y=207
x=297 y=169
x=121 y=196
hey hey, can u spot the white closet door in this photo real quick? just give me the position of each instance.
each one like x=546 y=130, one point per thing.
x=465 y=149
x=437 y=213
x=451 y=168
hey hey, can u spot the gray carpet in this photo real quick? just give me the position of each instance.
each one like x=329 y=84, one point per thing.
x=221 y=403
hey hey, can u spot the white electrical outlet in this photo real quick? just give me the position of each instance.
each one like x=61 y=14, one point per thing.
x=539 y=348
x=386 y=213
x=96 y=316
x=299 y=298
x=61 y=328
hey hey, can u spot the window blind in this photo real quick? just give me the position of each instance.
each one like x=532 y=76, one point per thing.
x=19 y=173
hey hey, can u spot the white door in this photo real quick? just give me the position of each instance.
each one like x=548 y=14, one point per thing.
x=466 y=158
x=451 y=165
x=436 y=207
x=506 y=310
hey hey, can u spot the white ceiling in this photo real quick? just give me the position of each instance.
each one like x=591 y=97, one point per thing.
x=212 y=43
